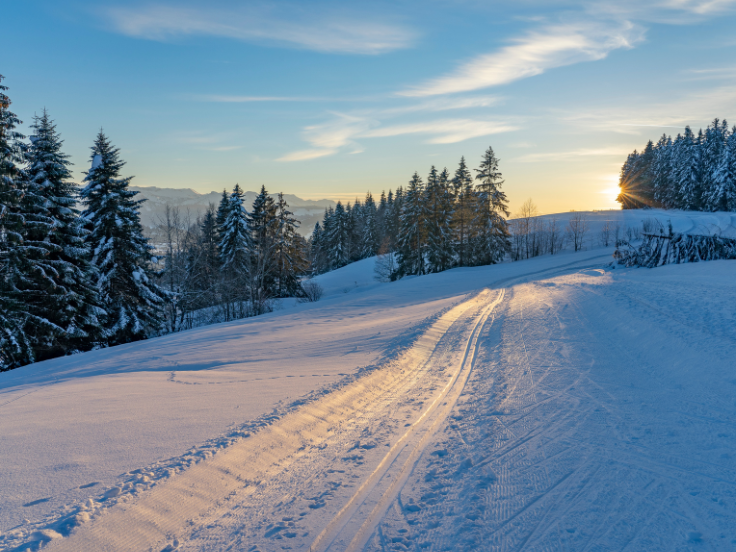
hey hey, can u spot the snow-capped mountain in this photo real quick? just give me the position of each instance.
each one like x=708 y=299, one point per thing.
x=193 y=204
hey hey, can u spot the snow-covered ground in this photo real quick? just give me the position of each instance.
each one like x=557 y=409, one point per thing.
x=549 y=404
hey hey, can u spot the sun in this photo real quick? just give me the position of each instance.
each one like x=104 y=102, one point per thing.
x=610 y=191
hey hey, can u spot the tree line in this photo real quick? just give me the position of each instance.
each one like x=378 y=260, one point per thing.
x=77 y=272
x=445 y=222
x=695 y=172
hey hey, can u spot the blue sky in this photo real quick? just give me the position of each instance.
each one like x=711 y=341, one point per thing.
x=330 y=99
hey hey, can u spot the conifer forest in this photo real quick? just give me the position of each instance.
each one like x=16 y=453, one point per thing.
x=77 y=272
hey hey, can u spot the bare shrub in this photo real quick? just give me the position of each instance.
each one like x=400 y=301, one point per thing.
x=312 y=292
x=577 y=227
x=606 y=236
x=555 y=237
x=386 y=265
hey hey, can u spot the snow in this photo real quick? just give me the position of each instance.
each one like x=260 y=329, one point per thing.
x=570 y=406
x=96 y=162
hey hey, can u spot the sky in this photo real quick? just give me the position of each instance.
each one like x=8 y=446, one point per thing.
x=327 y=99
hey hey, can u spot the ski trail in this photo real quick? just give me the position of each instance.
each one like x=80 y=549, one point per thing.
x=172 y=509
x=434 y=415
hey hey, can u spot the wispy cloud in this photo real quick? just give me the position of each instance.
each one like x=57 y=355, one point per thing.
x=565 y=155
x=294 y=26
x=444 y=131
x=342 y=134
x=329 y=138
x=534 y=54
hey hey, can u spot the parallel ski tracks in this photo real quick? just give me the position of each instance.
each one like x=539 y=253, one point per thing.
x=415 y=439
x=170 y=511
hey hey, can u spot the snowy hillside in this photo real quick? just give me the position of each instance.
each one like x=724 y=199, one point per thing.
x=308 y=211
x=556 y=403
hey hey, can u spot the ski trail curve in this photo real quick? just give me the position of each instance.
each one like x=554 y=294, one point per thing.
x=169 y=511
x=419 y=434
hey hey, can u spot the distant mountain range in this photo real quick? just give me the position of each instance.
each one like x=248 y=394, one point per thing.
x=193 y=204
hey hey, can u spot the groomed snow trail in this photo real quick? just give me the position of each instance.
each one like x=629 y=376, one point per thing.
x=241 y=484
x=600 y=416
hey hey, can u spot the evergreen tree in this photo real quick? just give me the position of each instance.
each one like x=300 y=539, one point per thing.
x=235 y=236
x=411 y=246
x=15 y=347
x=464 y=197
x=58 y=288
x=317 y=248
x=662 y=177
x=287 y=252
x=371 y=238
x=723 y=195
x=439 y=234
x=492 y=240
x=121 y=255
x=264 y=226
x=688 y=171
x=712 y=152
x=222 y=212
x=236 y=255
x=338 y=238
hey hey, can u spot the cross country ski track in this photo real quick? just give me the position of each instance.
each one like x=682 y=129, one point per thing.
x=396 y=407
x=549 y=411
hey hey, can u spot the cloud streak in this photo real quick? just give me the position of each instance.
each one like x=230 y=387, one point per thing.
x=565 y=155
x=533 y=55
x=321 y=32
x=343 y=132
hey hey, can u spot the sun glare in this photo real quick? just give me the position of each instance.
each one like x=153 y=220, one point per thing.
x=610 y=191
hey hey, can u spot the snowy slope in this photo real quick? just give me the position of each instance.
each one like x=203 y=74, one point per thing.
x=588 y=390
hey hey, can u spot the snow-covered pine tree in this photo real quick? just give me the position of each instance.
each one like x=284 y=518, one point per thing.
x=58 y=288
x=712 y=151
x=15 y=348
x=662 y=182
x=391 y=223
x=338 y=238
x=492 y=240
x=287 y=252
x=318 y=262
x=464 y=205
x=236 y=252
x=439 y=237
x=222 y=211
x=122 y=257
x=724 y=194
x=264 y=227
x=412 y=240
x=203 y=264
x=688 y=173
x=371 y=238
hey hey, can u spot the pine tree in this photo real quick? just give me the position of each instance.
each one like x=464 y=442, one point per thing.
x=688 y=171
x=235 y=236
x=236 y=252
x=58 y=288
x=411 y=246
x=439 y=235
x=15 y=347
x=121 y=255
x=464 y=198
x=493 y=239
x=222 y=211
x=317 y=253
x=712 y=153
x=371 y=239
x=338 y=238
x=287 y=252
x=662 y=178
x=723 y=196
x=264 y=226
